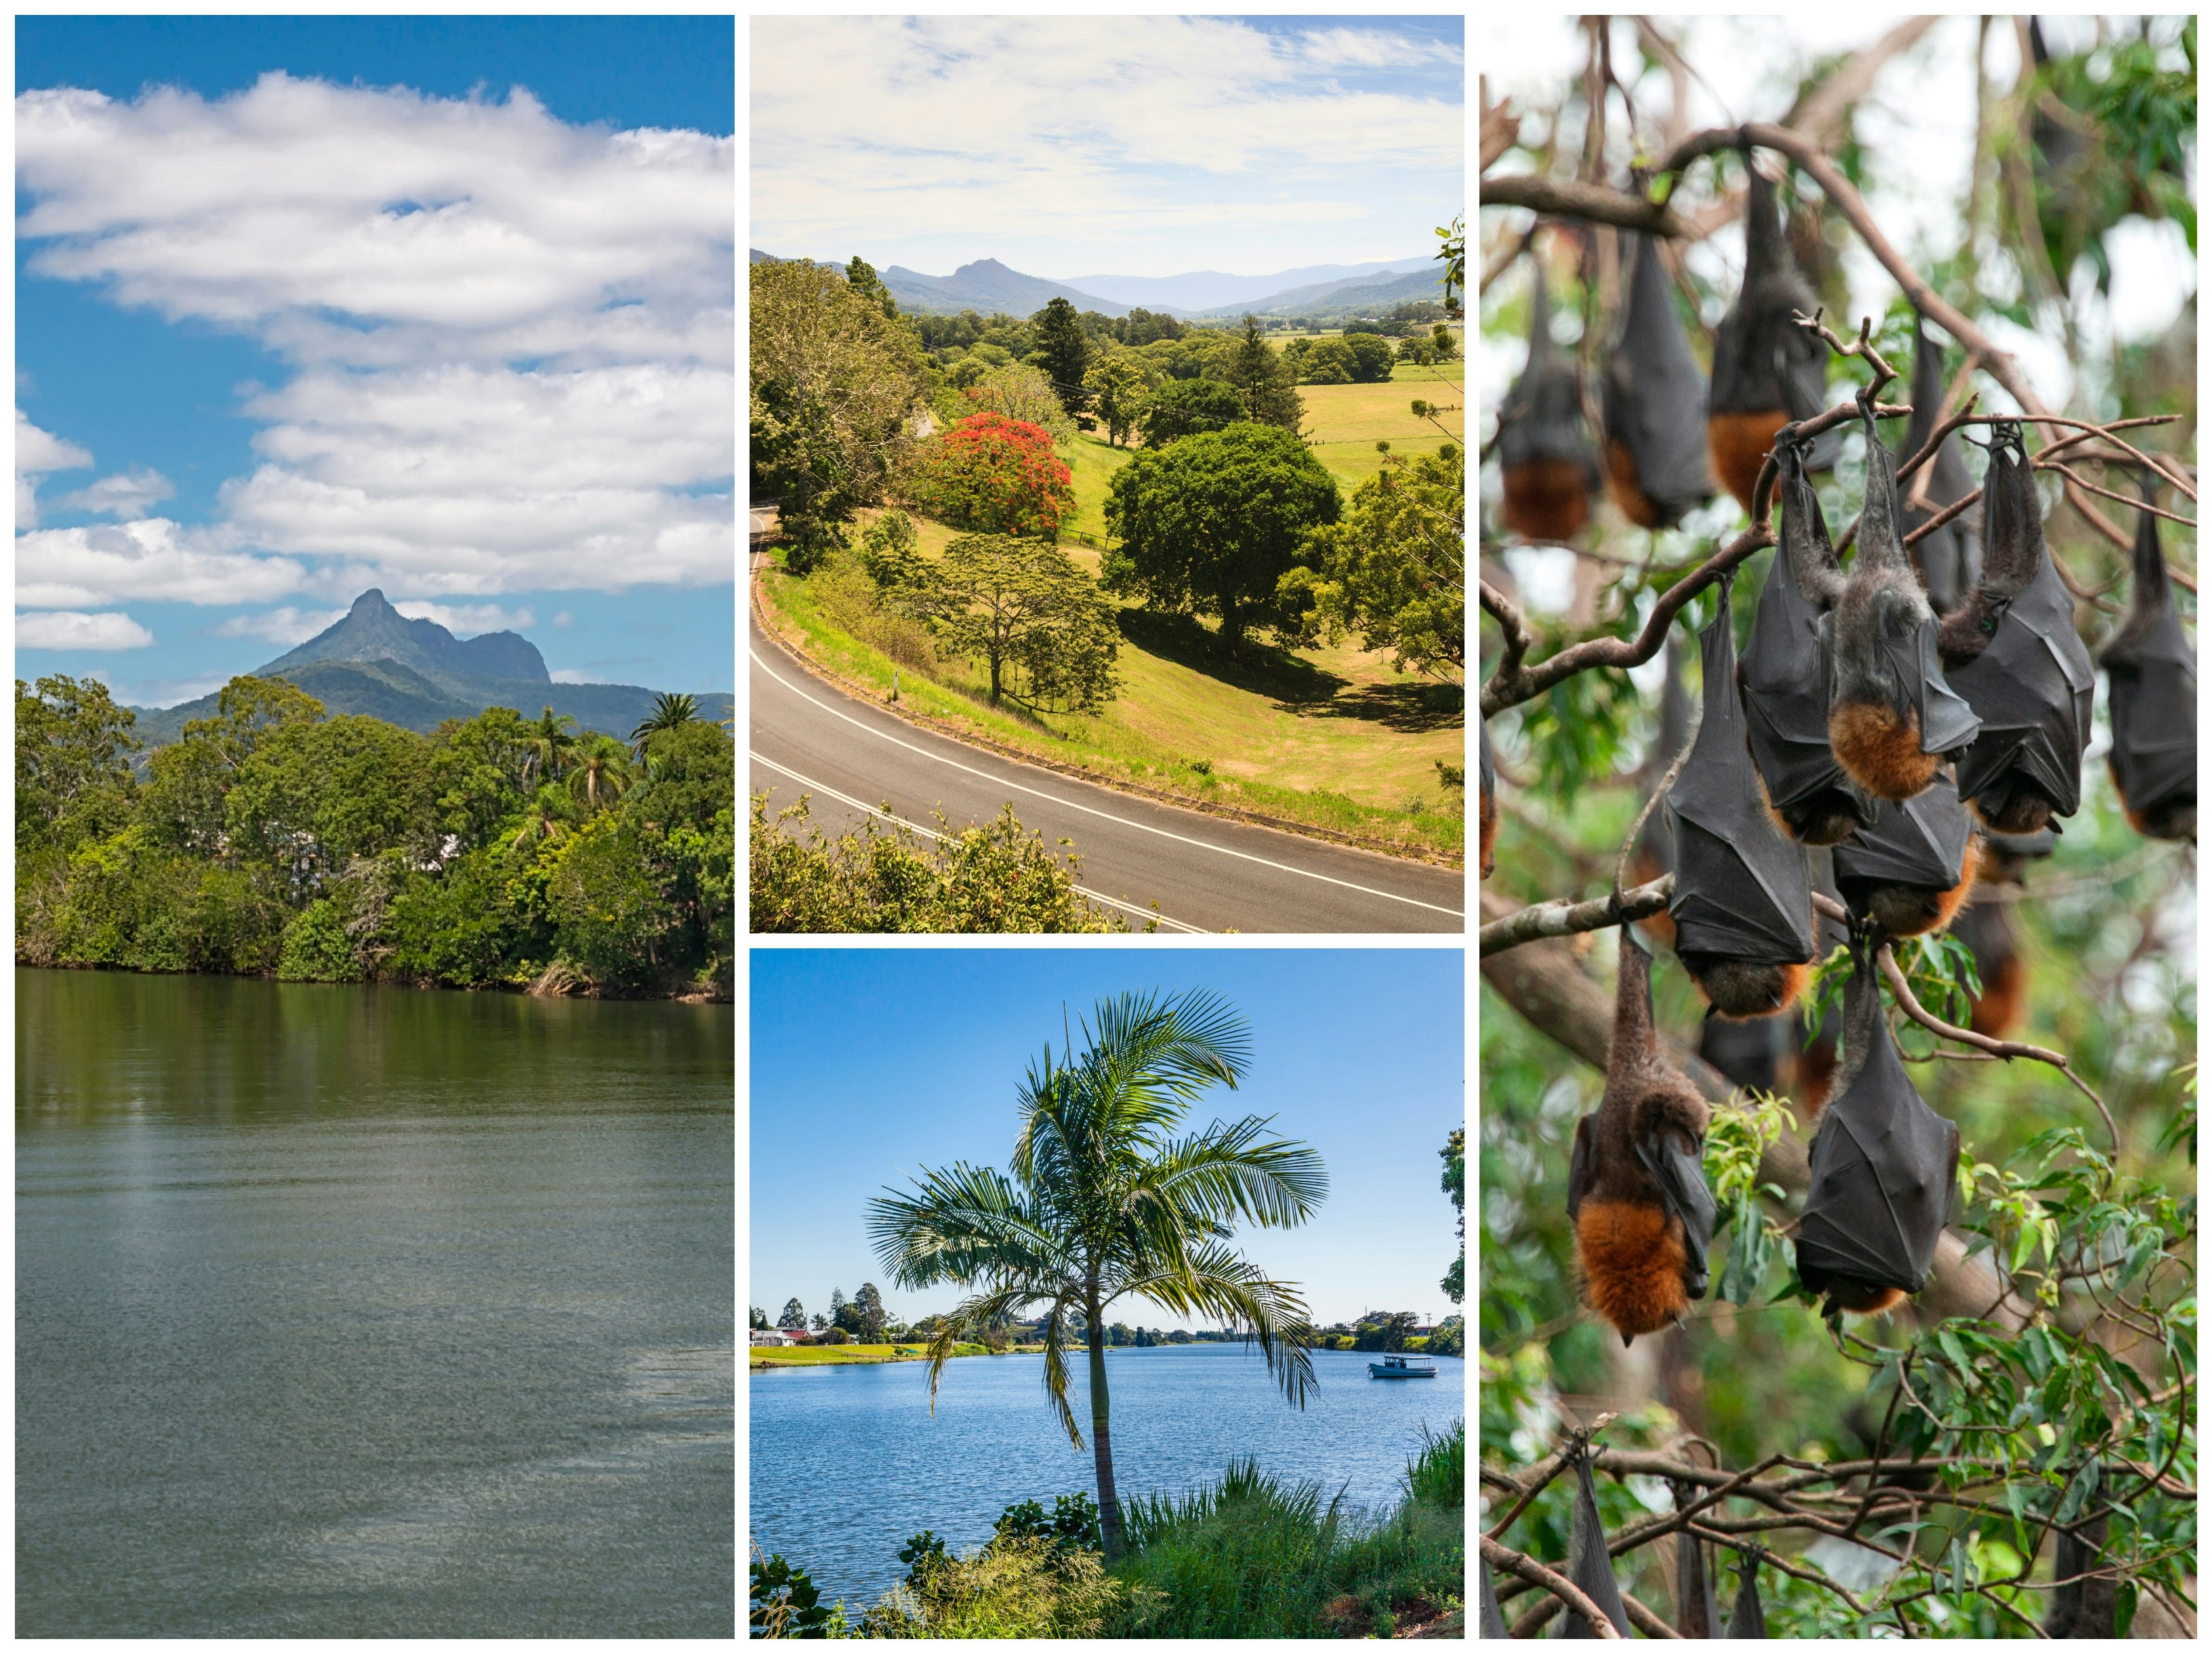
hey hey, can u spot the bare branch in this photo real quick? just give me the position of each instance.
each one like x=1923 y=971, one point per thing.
x=1564 y=918
x=1569 y=197
x=1513 y=683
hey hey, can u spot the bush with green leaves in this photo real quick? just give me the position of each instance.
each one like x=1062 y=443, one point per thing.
x=882 y=877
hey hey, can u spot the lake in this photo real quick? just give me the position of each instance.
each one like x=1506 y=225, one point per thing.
x=847 y=1463
x=349 y=1311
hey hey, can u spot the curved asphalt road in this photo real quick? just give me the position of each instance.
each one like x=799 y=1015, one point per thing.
x=1205 y=873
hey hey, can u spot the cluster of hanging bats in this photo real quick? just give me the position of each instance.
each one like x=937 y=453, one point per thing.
x=1891 y=731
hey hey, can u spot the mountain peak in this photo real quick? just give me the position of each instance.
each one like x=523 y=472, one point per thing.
x=373 y=630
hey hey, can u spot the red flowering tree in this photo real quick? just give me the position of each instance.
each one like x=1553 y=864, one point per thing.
x=992 y=475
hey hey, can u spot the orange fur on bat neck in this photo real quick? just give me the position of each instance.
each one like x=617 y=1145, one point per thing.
x=1879 y=750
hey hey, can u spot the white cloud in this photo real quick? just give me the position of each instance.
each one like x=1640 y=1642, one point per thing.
x=469 y=619
x=37 y=453
x=287 y=626
x=65 y=629
x=1089 y=130
x=515 y=336
x=152 y=560
x=128 y=494
x=564 y=620
x=572 y=675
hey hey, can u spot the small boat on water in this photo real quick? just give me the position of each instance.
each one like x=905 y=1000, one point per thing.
x=1402 y=1367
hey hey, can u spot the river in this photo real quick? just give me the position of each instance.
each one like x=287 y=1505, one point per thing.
x=350 y=1310
x=847 y=1463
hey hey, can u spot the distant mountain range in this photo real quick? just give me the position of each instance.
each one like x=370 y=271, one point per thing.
x=415 y=673
x=987 y=285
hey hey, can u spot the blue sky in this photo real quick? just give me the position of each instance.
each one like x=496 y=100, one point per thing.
x=382 y=319
x=1066 y=146
x=869 y=1065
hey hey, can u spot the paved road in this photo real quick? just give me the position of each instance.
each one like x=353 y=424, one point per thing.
x=1205 y=873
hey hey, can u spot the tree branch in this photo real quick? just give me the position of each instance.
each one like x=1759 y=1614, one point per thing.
x=1566 y=918
x=1513 y=683
x=1568 y=198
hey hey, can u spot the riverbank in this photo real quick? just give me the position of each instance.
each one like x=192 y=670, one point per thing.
x=550 y=984
x=856 y=1355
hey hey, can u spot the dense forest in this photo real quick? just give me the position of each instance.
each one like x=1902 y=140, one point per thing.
x=271 y=840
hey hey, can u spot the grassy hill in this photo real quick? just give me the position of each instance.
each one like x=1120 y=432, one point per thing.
x=1332 y=738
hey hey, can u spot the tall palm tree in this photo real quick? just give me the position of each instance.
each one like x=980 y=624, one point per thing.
x=669 y=712
x=552 y=744
x=1106 y=1201
x=601 y=775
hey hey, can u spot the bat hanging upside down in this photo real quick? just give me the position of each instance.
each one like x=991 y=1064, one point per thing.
x=1636 y=1185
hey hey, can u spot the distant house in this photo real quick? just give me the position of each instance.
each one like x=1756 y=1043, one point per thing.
x=773 y=1335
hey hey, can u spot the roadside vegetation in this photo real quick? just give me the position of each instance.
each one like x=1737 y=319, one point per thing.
x=272 y=840
x=1196 y=490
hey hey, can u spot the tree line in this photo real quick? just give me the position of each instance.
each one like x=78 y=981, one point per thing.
x=272 y=840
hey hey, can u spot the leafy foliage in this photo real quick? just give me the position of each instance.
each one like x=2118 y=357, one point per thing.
x=1395 y=567
x=994 y=476
x=1039 y=623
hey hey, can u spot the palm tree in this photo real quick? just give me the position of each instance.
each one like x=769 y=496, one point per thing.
x=1106 y=1201
x=601 y=775
x=551 y=744
x=669 y=712
x=548 y=816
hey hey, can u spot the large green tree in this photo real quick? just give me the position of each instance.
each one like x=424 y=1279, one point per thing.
x=1210 y=525
x=1259 y=375
x=1395 y=567
x=1184 y=407
x=1108 y=1199
x=1064 y=352
x=1023 y=608
x=1119 y=383
x=836 y=386
x=73 y=747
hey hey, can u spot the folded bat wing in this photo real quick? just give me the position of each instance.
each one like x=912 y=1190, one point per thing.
x=1589 y=1563
x=1654 y=396
x=1678 y=1168
x=1921 y=841
x=2152 y=672
x=1884 y=1165
x=1949 y=725
x=1493 y=1619
x=1740 y=888
x=2032 y=688
x=1695 y=1604
x=1951 y=557
x=1748 y=1619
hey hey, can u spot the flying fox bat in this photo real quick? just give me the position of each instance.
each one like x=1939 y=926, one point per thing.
x=1654 y=454
x=1910 y=871
x=2152 y=672
x=1785 y=678
x=1589 y=1563
x=1747 y=1054
x=1544 y=442
x=2082 y=1607
x=1655 y=846
x=1767 y=371
x=1742 y=904
x=1951 y=557
x=1885 y=1168
x=2010 y=648
x=1986 y=927
x=1892 y=716
x=1486 y=802
x=1748 y=1618
x=1695 y=1605
x=1636 y=1184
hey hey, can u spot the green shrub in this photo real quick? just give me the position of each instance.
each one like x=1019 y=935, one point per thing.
x=1016 y=1587
x=317 y=948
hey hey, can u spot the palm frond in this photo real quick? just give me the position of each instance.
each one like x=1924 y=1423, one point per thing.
x=962 y=1224
x=1211 y=1279
x=1229 y=1171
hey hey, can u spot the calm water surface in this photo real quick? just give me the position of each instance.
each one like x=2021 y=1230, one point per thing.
x=847 y=1465
x=347 y=1311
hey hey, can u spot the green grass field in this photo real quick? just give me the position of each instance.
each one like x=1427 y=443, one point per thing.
x=1344 y=421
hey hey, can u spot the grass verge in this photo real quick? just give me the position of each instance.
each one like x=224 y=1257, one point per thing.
x=1319 y=738
x=847 y=1355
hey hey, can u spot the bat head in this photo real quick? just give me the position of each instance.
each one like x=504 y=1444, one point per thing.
x=1742 y=989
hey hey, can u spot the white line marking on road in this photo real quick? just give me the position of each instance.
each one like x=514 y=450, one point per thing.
x=930 y=832
x=1104 y=815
